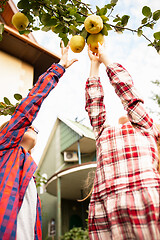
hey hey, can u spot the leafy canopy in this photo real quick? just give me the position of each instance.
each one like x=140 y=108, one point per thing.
x=66 y=17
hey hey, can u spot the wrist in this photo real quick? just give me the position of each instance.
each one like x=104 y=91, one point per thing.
x=62 y=63
x=94 y=70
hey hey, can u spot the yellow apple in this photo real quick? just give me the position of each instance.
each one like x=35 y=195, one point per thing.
x=20 y=21
x=93 y=40
x=77 y=43
x=93 y=24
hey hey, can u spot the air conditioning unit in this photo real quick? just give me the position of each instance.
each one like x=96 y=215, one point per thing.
x=70 y=157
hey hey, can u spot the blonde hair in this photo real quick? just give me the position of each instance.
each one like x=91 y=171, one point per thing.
x=3 y=125
x=158 y=146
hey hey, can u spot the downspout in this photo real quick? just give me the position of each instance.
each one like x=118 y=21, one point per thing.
x=59 y=222
x=79 y=153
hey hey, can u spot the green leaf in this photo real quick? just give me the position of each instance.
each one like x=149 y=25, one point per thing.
x=104 y=31
x=139 y=32
x=1 y=37
x=104 y=18
x=45 y=18
x=67 y=19
x=114 y=1
x=146 y=11
x=2 y=105
x=157 y=35
x=45 y=29
x=65 y=40
x=103 y=11
x=144 y=20
x=6 y=100
x=1 y=28
x=25 y=32
x=12 y=109
x=125 y=19
x=156 y=15
x=108 y=26
x=109 y=6
x=55 y=2
x=17 y=96
x=84 y=33
x=23 y=4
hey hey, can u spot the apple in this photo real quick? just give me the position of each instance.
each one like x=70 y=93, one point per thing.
x=77 y=43
x=93 y=24
x=93 y=40
x=20 y=21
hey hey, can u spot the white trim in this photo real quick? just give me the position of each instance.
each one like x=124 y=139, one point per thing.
x=76 y=169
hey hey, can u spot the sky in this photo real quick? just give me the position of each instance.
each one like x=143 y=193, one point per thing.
x=67 y=100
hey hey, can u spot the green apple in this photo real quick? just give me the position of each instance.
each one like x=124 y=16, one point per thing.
x=77 y=43
x=93 y=40
x=20 y=21
x=93 y=24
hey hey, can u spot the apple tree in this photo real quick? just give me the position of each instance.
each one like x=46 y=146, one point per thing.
x=66 y=17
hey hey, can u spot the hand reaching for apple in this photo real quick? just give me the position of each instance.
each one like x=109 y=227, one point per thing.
x=100 y=56
x=64 y=58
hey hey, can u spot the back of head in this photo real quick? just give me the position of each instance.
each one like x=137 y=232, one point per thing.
x=123 y=119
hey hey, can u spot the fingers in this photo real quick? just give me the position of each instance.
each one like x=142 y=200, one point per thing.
x=62 y=47
x=71 y=62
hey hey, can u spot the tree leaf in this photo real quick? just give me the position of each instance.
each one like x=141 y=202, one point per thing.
x=104 y=30
x=108 y=26
x=104 y=18
x=156 y=15
x=124 y=20
x=146 y=11
x=84 y=33
x=23 y=4
x=17 y=96
x=103 y=11
x=139 y=32
x=144 y=20
x=6 y=100
x=157 y=35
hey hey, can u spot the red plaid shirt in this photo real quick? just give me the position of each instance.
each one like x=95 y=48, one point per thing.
x=16 y=165
x=127 y=156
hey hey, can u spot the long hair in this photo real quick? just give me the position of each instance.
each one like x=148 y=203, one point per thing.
x=158 y=146
x=3 y=125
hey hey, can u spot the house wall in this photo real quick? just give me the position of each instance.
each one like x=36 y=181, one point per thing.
x=67 y=136
x=16 y=77
x=53 y=161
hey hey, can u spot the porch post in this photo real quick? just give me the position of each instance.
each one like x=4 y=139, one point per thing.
x=79 y=153
x=59 y=223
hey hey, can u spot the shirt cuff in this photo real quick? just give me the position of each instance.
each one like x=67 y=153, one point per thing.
x=58 y=70
x=93 y=80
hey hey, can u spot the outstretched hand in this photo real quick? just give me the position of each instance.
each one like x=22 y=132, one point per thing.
x=101 y=56
x=64 y=58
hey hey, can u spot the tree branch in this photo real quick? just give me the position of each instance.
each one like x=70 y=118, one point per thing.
x=132 y=30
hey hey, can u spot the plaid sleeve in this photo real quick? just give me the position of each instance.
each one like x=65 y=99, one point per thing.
x=124 y=88
x=28 y=109
x=95 y=105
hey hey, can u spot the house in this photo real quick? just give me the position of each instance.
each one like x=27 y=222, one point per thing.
x=68 y=158
x=22 y=59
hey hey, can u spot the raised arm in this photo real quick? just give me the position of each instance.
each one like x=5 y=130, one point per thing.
x=130 y=98
x=28 y=109
x=124 y=88
x=94 y=96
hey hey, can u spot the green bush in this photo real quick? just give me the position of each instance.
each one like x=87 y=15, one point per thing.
x=76 y=233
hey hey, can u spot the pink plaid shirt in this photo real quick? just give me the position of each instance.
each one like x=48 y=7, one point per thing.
x=127 y=157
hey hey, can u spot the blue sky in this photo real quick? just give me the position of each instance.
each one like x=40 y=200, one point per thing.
x=68 y=98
